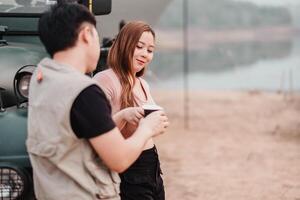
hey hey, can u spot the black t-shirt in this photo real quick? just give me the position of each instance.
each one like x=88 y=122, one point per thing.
x=91 y=113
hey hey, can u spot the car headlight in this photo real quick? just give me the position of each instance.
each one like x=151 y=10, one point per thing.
x=13 y=183
x=21 y=83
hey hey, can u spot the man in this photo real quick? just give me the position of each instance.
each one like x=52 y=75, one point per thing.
x=74 y=145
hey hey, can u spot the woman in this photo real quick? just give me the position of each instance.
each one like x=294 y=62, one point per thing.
x=128 y=58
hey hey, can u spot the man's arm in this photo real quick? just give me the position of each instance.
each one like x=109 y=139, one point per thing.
x=119 y=153
x=91 y=119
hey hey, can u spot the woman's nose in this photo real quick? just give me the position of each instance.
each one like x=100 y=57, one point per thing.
x=145 y=53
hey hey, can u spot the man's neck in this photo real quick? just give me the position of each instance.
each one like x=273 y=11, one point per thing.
x=71 y=58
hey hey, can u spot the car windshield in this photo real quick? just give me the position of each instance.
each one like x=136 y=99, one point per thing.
x=20 y=7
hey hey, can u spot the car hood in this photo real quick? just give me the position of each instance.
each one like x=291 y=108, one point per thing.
x=15 y=55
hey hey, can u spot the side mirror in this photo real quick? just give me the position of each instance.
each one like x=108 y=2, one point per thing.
x=98 y=7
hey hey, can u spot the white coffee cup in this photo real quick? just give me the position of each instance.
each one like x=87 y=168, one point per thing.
x=149 y=108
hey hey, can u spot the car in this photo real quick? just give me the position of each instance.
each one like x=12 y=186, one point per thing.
x=20 y=51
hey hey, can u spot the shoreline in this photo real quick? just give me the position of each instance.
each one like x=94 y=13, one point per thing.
x=240 y=145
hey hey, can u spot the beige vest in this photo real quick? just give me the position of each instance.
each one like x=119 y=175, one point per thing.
x=64 y=167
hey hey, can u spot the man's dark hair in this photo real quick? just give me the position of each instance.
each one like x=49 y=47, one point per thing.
x=59 y=27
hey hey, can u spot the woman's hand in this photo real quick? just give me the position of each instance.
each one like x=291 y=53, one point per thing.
x=133 y=115
x=155 y=123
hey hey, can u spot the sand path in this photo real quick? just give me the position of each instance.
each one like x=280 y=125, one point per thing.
x=240 y=146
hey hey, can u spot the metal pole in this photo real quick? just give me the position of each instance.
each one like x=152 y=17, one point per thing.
x=185 y=64
x=291 y=82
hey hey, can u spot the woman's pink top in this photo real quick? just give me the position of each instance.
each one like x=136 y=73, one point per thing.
x=110 y=84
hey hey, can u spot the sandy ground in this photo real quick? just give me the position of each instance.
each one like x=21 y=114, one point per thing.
x=239 y=146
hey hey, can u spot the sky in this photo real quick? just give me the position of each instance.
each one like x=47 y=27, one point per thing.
x=273 y=2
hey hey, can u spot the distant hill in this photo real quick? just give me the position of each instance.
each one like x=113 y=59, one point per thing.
x=221 y=14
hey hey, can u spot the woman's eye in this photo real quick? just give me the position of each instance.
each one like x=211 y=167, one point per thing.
x=150 y=51
x=139 y=47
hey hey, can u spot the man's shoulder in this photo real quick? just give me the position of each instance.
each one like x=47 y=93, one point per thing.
x=93 y=88
x=46 y=60
x=93 y=93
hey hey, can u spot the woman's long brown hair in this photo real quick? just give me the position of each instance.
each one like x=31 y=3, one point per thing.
x=120 y=58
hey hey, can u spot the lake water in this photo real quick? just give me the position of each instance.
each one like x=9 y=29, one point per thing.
x=278 y=69
x=232 y=45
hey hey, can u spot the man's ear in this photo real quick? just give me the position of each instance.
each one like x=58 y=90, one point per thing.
x=85 y=34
